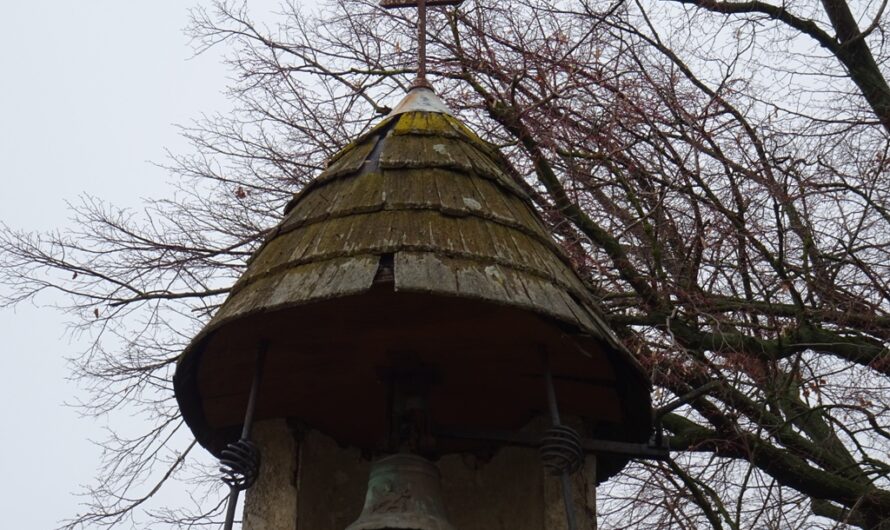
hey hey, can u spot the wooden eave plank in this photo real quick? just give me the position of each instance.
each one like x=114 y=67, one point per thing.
x=476 y=237
x=413 y=151
x=310 y=235
x=513 y=285
x=247 y=300
x=365 y=194
x=526 y=246
x=337 y=233
x=350 y=162
x=410 y=188
x=428 y=272
x=332 y=273
x=486 y=167
x=581 y=315
x=316 y=204
x=418 y=228
x=423 y=272
x=450 y=200
x=493 y=199
x=542 y=294
x=355 y=274
x=552 y=263
x=474 y=281
x=294 y=285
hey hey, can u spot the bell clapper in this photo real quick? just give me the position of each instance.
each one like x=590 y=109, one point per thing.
x=408 y=420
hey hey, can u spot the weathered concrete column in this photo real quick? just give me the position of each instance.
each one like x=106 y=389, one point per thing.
x=584 y=495
x=314 y=484
x=271 y=504
x=511 y=491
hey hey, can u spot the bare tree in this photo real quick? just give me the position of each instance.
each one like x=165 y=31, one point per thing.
x=717 y=171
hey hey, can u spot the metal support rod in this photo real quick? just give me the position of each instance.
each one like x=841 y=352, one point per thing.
x=254 y=390
x=551 y=395
x=230 y=508
x=235 y=486
x=660 y=412
x=525 y=439
x=568 y=501
x=564 y=477
x=684 y=399
x=421 y=43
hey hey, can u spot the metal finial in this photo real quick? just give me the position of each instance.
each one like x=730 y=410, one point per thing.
x=420 y=80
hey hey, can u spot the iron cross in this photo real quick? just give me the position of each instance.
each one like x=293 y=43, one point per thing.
x=420 y=81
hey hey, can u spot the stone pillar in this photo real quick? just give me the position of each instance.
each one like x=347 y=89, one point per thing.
x=271 y=504
x=511 y=491
x=584 y=495
x=314 y=484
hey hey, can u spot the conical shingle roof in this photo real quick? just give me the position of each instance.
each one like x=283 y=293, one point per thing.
x=424 y=189
x=411 y=237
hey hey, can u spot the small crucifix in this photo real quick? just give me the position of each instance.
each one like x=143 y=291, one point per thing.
x=421 y=5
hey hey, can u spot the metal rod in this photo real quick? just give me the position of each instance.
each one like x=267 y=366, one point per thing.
x=659 y=413
x=245 y=429
x=685 y=398
x=568 y=501
x=254 y=389
x=421 y=41
x=230 y=509
x=524 y=439
x=420 y=80
x=551 y=394
x=554 y=417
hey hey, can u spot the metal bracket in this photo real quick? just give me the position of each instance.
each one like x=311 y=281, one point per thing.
x=523 y=439
x=659 y=413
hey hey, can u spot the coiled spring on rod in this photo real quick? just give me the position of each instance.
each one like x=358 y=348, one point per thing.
x=239 y=464
x=561 y=450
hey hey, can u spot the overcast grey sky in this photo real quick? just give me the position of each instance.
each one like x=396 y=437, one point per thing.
x=90 y=91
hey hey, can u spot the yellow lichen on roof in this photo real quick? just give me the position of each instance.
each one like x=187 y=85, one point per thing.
x=425 y=123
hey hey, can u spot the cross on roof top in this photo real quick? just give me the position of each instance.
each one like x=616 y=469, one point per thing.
x=421 y=5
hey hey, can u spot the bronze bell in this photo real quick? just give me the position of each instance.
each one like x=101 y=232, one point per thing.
x=403 y=492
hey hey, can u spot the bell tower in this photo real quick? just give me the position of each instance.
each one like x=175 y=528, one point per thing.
x=410 y=348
